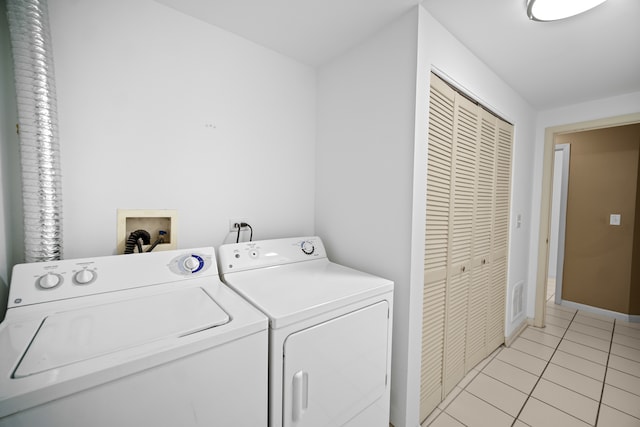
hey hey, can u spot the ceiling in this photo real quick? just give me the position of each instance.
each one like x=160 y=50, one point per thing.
x=311 y=31
x=551 y=64
x=590 y=56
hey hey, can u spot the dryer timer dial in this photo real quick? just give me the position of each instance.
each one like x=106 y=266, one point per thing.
x=307 y=247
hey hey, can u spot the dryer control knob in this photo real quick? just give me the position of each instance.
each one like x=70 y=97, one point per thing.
x=307 y=247
x=85 y=276
x=191 y=263
x=49 y=281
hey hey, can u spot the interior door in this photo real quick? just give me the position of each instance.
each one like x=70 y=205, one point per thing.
x=334 y=370
x=466 y=238
x=461 y=217
x=439 y=159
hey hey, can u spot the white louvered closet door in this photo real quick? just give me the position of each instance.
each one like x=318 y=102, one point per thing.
x=441 y=100
x=476 y=348
x=499 y=249
x=461 y=215
x=466 y=237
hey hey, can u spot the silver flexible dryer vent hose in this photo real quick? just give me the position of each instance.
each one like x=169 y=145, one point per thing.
x=38 y=128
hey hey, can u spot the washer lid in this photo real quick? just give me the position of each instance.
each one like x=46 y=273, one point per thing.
x=77 y=335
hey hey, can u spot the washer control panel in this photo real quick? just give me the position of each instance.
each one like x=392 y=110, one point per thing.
x=266 y=253
x=40 y=282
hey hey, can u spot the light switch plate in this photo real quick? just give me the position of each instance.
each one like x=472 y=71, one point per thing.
x=614 y=219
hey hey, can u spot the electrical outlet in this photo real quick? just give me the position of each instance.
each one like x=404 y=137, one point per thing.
x=233 y=222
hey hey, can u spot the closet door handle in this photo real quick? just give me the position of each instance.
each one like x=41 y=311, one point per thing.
x=463 y=269
x=300 y=394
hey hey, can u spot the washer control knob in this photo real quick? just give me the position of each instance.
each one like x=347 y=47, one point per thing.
x=307 y=247
x=192 y=263
x=85 y=276
x=49 y=281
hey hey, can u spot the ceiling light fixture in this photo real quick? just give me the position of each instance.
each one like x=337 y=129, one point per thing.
x=552 y=10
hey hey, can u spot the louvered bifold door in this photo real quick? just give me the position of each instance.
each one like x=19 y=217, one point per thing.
x=465 y=140
x=441 y=100
x=476 y=348
x=466 y=238
x=500 y=242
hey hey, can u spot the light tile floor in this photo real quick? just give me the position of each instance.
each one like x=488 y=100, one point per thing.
x=582 y=369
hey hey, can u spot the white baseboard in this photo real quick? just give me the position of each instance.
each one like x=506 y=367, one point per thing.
x=595 y=310
x=517 y=331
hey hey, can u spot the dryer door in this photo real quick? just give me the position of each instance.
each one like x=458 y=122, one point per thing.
x=334 y=370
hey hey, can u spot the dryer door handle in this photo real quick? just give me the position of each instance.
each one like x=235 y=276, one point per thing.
x=300 y=394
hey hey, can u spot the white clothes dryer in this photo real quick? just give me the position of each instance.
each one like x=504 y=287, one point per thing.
x=329 y=332
x=151 y=339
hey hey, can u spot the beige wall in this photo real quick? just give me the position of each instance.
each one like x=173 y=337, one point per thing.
x=634 y=295
x=603 y=180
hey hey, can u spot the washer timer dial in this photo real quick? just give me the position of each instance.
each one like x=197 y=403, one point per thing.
x=189 y=263
x=193 y=263
x=307 y=247
x=85 y=276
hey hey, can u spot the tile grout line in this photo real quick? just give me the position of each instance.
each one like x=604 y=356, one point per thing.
x=606 y=371
x=443 y=410
x=493 y=355
x=629 y=347
x=539 y=377
x=588 y=345
x=543 y=371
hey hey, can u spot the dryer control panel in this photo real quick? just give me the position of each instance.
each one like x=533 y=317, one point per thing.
x=267 y=253
x=40 y=282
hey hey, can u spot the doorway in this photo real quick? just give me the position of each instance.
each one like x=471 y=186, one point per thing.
x=544 y=247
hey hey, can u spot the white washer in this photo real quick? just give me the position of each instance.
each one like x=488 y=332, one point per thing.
x=329 y=332
x=151 y=339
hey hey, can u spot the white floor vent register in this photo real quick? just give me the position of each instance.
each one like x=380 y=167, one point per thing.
x=517 y=303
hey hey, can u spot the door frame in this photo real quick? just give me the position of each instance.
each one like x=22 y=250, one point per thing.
x=550 y=133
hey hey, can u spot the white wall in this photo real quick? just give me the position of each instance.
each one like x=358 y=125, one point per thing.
x=366 y=107
x=577 y=113
x=12 y=246
x=158 y=110
x=371 y=169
